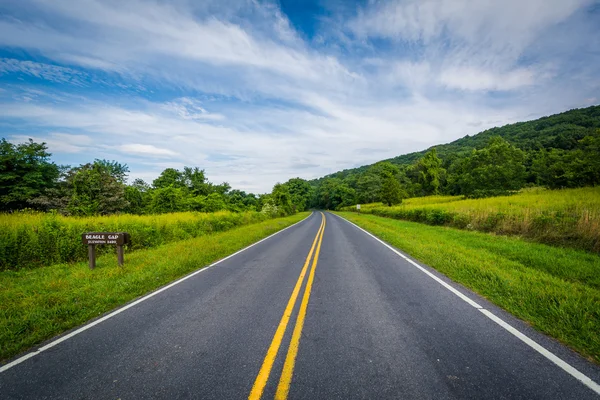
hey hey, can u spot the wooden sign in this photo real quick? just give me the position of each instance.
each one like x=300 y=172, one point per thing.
x=94 y=238
x=118 y=238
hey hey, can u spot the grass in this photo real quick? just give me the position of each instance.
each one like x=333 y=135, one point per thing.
x=37 y=304
x=32 y=239
x=568 y=217
x=556 y=290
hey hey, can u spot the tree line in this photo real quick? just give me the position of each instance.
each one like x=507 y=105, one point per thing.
x=29 y=179
x=559 y=151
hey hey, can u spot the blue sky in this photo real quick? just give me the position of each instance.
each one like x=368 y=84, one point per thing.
x=256 y=92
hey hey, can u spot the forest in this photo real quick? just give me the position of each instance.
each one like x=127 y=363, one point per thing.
x=30 y=180
x=559 y=151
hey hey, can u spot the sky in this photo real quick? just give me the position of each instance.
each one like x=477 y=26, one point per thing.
x=256 y=92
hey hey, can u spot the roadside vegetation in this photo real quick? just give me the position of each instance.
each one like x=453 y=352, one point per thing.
x=45 y=207
x=568 y=217
x=29 y=179
x=37 y=304
x=556 y=290
x=35 y=239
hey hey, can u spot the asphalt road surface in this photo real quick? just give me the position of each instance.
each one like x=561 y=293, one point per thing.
x=321 y=310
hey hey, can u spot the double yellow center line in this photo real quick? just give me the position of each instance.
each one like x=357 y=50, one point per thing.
x=288 y=367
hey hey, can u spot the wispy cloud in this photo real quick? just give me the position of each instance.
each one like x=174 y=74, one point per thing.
x=52 y=73
x=236 y=88
x=145 y=150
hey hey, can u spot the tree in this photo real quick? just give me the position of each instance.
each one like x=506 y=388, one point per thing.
x=221 y=189
x=214 y=202
x=195 y=180
x=167 y=199
x=369 y=187
x=169 y=177
x=137 y=194
x=25 y=174
x=282 y=198
x=429 y=173
x=116 y=170
x=333 y=193
x=300 y=192
x=94 y=190
x=496 y=169
x=391 y=191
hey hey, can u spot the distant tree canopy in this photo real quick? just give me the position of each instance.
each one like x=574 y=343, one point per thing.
x=559 y=151
x=28 y=179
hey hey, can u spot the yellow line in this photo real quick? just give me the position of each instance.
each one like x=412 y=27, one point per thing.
x=290 y=360
x=265 y=369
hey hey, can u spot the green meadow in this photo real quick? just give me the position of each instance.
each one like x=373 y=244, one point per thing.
x=567 y=217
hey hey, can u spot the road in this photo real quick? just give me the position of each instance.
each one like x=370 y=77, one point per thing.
x=351 y=320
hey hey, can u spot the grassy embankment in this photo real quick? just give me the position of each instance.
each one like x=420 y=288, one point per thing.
x=30 y=240
x=556 y=290
x=569 y=217
x=37 y=304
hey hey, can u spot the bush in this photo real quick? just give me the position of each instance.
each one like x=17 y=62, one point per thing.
x=30 y=239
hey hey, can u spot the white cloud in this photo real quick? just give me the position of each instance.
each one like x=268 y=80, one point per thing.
x=283 y=143
x=477 y=79
x=466 y=44
x=58 y=142
x=509 y=23
x=145 y=150
x=49 y=72
x=234 y=89
x=188 y=108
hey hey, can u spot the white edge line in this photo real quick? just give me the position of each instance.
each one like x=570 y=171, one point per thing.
x=128 y=306
x=542 y=350
x=521 y=336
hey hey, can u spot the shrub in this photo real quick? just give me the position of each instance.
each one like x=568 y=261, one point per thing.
x=31 y=239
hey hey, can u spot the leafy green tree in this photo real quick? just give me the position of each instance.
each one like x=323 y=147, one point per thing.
x=222 y=189
x=168 y=199
x=391 y=191
x=115 y=169
x=195 y=180
x=496 y=169
x=282 y=198
x=556 y=168
x=137 y=195
x=333 y=193
x=344 y=196
x=300 y=192
x=214 y=202
x=368 y=188
x=94 y=190
x=429 y=173
x=169 y=177
x=26 y=172
x=589 y=168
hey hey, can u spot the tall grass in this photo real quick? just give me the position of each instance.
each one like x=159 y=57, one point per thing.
x=30 y=239
x=569 y=217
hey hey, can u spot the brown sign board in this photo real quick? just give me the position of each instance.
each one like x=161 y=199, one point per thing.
x=117 y=238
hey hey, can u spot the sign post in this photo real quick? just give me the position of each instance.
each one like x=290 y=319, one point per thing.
x=358 y=208
x=94 y=238
x=92 y=255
